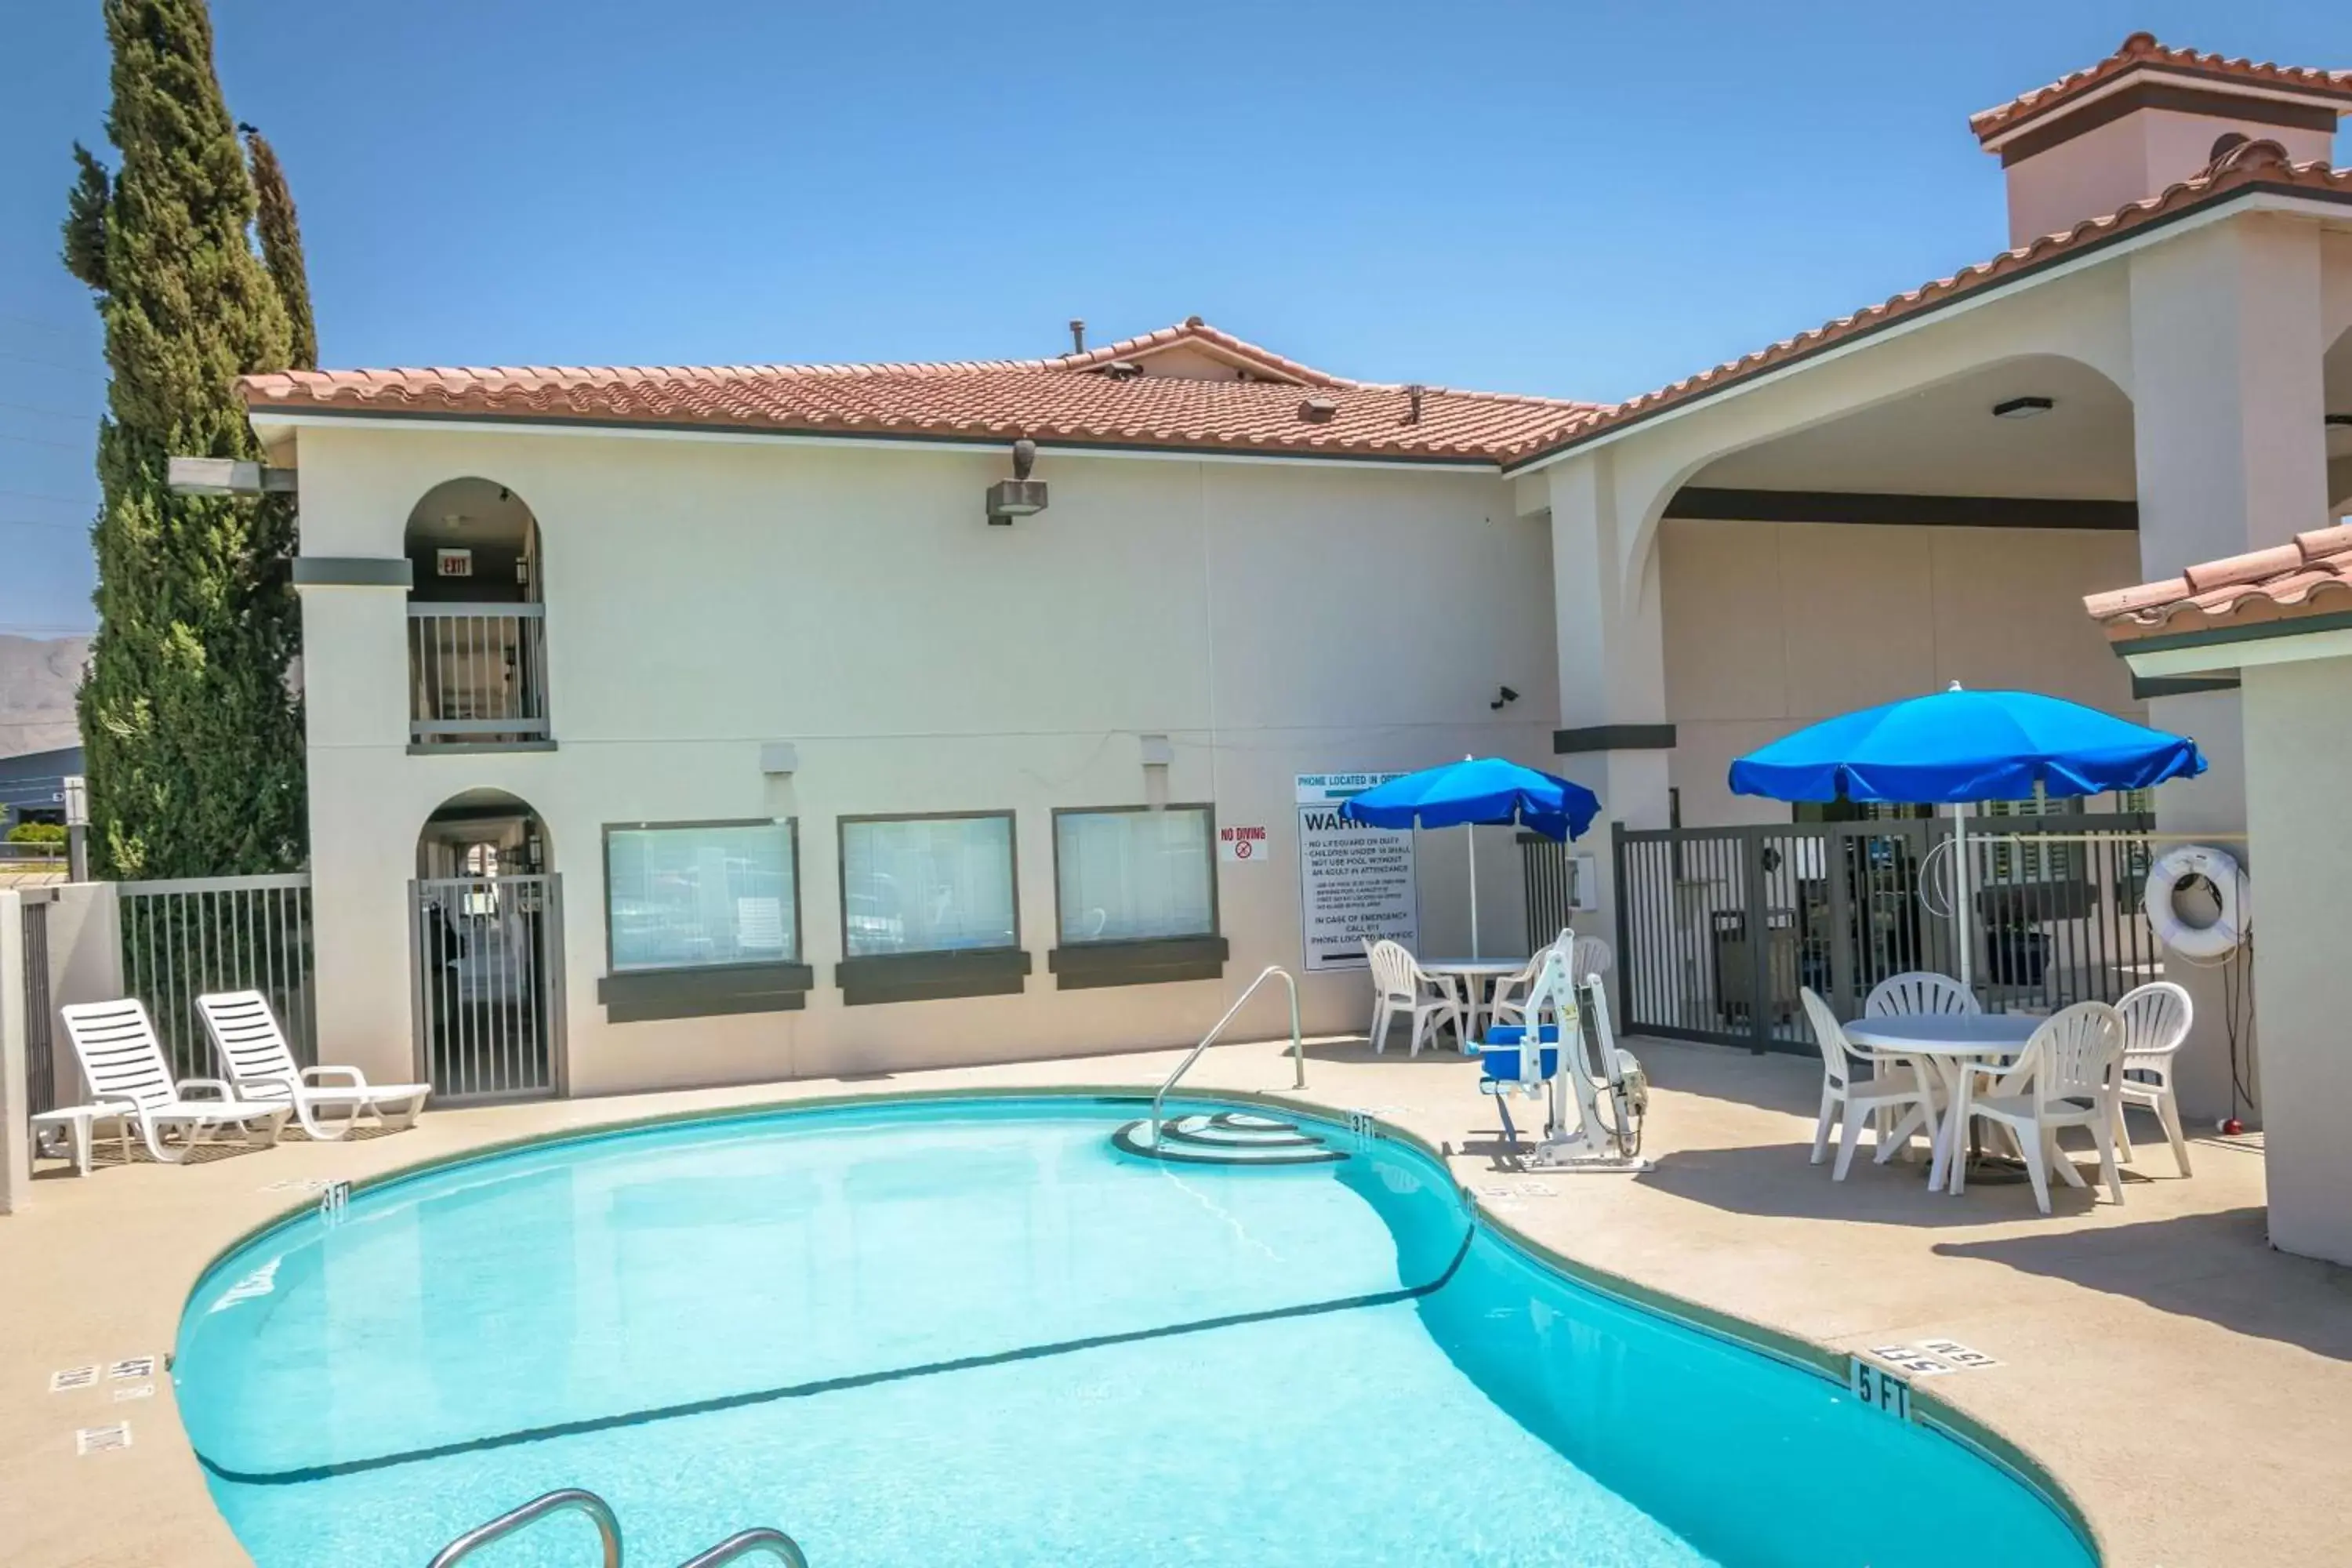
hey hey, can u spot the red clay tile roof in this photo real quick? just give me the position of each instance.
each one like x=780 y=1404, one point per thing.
x=2141 y=52
x=2250 y=164
x=1073 y=399
x=2312 y=576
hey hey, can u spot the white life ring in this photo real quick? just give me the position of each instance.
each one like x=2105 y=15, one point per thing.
x=2218 y=868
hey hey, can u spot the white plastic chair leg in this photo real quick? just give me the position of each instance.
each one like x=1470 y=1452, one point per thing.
x=2107 y=1167
x=1848 y=1135
x=2168 y=1109
x=1379 y=1028
x=152 y=1131
x=1821 y=1125
x=326 y=1128
x=2061 y=1160
x=2123 y=1135
x=2037 y=1171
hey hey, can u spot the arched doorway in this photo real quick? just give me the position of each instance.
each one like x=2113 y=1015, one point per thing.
x=486 y=952
x=476 y=646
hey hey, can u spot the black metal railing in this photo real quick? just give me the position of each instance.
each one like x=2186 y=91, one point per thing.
x=1717 y=928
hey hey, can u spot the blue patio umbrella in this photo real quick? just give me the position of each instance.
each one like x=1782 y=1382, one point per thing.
x=1477 y=792
x=1956 y=746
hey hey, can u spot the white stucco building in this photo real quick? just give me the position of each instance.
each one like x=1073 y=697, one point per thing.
x=837 y=773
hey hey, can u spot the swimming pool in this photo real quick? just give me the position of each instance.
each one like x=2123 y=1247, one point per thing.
x=976 y=1332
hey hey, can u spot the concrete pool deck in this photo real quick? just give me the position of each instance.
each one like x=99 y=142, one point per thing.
x=2190 y=1388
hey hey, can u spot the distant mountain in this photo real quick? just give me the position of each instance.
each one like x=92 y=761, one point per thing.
x=38 y=678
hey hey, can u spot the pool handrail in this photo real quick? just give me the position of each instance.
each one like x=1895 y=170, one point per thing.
x=1298 y=1047
x=784 y=1548
x=563 y=1499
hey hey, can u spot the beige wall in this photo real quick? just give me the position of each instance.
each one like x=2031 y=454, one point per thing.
x=2125 y=159
x=703 y=598
x=1772 y=626
x=2298 y=774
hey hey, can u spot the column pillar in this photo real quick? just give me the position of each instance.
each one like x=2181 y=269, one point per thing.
x=2230 y=441
x=16 y=1132
x=1613 y=737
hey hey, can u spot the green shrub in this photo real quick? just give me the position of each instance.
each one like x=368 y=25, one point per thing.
x=37 y=833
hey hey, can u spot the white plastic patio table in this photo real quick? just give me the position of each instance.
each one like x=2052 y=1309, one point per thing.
x=1950 y=1043
x=1475 y=974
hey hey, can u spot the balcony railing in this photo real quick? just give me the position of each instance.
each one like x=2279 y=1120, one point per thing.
x=476 y=674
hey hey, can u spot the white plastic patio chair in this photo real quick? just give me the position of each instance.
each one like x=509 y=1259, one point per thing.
x=1588 y=958
x=1911 y=994
x=2069 y=1074
x=129 y=1078
x=2156 y=1021
x=1399 y=985
x=1507 y=1003
x=1847 y=1101
x=1919 y=991
x=249 y=1044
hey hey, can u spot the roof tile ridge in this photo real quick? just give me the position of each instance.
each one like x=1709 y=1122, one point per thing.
x=2144 y=48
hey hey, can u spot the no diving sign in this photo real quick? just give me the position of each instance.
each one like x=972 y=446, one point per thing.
x=1240 y=844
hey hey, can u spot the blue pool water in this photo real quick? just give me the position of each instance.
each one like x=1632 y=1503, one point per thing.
x=973 y=1332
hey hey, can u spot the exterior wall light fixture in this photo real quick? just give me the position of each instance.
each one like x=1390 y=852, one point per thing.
x=1019 y=495
x=2024 y=407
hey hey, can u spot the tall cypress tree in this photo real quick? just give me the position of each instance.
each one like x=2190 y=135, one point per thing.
x=281 y=246
x=192 y=736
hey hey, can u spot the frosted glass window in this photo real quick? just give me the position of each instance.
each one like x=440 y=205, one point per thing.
x=1129 y=875
x=684 y=895
x=926 y=884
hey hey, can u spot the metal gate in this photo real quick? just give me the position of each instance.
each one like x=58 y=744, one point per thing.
x=189 y=936
x=486 y=956
x=1719 y=927
x=40 y=1058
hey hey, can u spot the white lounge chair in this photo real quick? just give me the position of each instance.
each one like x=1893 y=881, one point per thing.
x=130 y=1079
x=2155 y=1023
x=2069 y=1075
x=1401 y=986
x=251 y=1047
x=1847 y=1101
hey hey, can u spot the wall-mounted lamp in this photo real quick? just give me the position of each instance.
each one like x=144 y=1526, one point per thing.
x=1503 y=696
x=778 y=757
x=2024 y=407
x=1019 y=495
x=2340 y=419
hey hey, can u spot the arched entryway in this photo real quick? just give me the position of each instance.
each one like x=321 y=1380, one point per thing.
x=486 y=952
x=476 y=646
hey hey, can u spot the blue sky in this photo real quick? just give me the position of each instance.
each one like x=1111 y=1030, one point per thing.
x=1573 y=198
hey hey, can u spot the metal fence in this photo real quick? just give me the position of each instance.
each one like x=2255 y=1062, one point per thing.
x=184 y=938
x=40 y=1058
x=487 y=992
x=1719 y=927
x=477 y=673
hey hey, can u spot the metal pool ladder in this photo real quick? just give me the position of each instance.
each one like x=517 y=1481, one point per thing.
x=1297 y=1050
x=734 y=1549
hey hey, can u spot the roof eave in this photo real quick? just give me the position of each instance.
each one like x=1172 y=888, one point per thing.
x=2063 y=260
x=269 y=419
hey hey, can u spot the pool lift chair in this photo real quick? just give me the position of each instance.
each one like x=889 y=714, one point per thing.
x=1565 y=1043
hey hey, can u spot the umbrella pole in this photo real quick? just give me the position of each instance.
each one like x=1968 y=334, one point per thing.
x=1963 y=904
x=1470 y=836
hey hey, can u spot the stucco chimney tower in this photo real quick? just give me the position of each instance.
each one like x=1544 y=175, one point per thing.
x=2145 y=117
